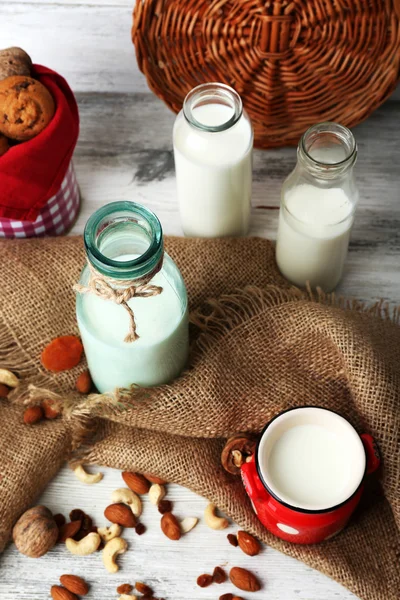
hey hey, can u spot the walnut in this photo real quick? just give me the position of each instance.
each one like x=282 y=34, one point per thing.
x=36 y=532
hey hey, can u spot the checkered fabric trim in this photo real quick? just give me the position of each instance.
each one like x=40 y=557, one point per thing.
x=54 y=219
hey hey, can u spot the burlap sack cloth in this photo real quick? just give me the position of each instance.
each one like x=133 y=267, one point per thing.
x=255 y=351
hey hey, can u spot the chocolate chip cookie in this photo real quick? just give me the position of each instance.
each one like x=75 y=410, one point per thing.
x=26 y=107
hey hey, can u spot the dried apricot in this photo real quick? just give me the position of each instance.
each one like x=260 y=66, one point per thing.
x=63 y=353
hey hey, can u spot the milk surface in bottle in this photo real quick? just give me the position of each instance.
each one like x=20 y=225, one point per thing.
x=317 y=208
x=124 y=242
x=213 y=141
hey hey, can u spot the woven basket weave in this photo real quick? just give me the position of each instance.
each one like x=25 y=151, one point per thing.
x=294 y=62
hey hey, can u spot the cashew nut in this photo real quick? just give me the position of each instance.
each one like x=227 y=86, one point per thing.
x=111 y=550
x=127 y=597
x=188 y=523
x=212 y=520
x=237 y=458
x=156 y=493
x=85 y=546
x=126 y=496
x=85 y=477
x=8 y=378
x=109 y=533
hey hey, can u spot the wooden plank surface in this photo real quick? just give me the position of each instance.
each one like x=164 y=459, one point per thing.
x=125 y=152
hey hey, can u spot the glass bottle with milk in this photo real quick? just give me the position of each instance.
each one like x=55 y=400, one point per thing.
x=131 y=304
x=318 y=203
x=213 y=142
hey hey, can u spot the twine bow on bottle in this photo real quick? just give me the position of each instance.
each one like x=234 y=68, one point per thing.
x=121 y=291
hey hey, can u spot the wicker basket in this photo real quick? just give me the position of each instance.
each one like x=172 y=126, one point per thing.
x=294 y=62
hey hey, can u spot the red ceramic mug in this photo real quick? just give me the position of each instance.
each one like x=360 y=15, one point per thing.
x=306 y=476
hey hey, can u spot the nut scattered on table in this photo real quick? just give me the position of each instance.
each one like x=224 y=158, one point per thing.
x=248 y=543
x=35 y=532
x=188 y=523
x=136 y=482
x=69 y=530
x=124 y=588
x=75 y=584
x=85 y=546
x=156 y=493
x=127 y=496
x=244 y=580
x=60 y=593
x=212 y=520
x=109 y=533
x=111 y=551
x=154 y=479
x=120 y=514
x=170 y=526
x=85 y=477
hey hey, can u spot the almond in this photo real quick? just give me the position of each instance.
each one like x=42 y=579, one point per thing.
x=51 y=409
x=74 y=584
x=244 y=580
x=170 y=526
x=120 y=514
x=69 y=530
x=125 y=588
x=84 y=383
x=136 y=482
x=59 y=593
x=248 y=543
x=33 y=414
x=154 y=479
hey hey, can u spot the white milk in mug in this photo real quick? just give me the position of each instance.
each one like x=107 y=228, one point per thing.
x=319 y=199
x=213 y=141
x=124 y=245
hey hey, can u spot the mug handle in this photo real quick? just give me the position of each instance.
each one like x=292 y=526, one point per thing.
x=251 y=481
x=372 y=452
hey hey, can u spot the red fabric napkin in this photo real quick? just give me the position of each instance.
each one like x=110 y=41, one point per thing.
x=32 y=172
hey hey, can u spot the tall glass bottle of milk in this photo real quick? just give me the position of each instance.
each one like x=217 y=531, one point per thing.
x=131 y=304
x=213 y=141
x=318 y=203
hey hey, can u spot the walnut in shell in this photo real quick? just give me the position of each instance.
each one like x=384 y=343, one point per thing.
x=236 y=450
x=35 y=532
x=14 y=61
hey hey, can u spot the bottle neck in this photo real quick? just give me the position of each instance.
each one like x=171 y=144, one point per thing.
x=124 y=241
x=327 y=151
x=212 y=107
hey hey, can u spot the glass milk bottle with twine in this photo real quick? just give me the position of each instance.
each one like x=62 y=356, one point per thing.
x=318 y=204
x=131 y=304
x=213 y=142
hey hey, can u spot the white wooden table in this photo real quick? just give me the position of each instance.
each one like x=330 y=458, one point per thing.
x=124 y=152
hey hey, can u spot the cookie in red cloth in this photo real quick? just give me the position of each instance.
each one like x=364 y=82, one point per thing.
x=26 y=107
